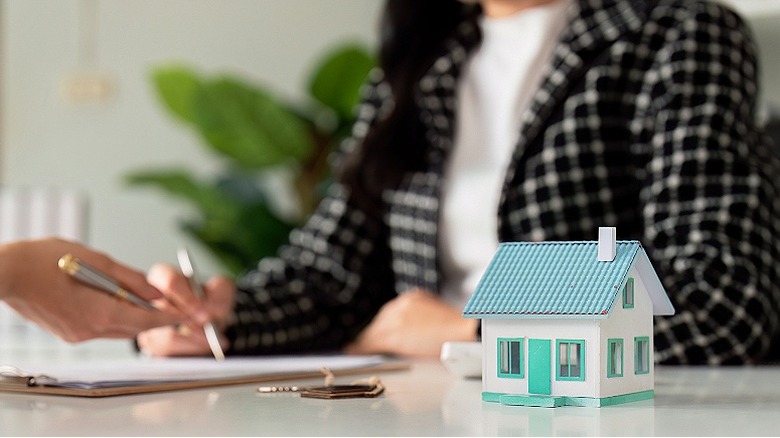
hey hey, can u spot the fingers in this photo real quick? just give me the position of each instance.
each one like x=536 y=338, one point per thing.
x=134 y=281
x=108 y=318
x=189 y=339
x=360 y=348
x=113 y=318
x=135 y=320
x=168 y=341
x=220 y=296
x=377 y=337
x=176 y=289
x=414 y=324
x=354 y=349
x=119 y=319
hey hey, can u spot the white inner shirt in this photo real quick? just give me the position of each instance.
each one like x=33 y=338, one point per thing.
x=496 y=87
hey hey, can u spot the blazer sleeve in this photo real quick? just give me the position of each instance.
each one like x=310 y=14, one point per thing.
x=711 y=193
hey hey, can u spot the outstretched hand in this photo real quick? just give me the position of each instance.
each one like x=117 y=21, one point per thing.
x=414 y=324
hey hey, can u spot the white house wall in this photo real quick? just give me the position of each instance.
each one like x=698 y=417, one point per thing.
x=627 y=324
x=579 y=329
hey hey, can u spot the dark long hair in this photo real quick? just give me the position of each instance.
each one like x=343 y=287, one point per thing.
x=412 y=36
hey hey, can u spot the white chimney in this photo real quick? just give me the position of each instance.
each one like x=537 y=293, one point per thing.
x=607 y=245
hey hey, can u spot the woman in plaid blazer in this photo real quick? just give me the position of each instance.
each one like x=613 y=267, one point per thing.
x=642 y=117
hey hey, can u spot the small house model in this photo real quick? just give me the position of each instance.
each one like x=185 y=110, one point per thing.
x=568 y=323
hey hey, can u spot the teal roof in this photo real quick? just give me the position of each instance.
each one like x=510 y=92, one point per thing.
x=559 y=279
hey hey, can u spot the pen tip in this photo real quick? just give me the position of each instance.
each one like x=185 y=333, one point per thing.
x=68 y=263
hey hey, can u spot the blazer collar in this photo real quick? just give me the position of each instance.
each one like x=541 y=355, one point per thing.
x=593 y=25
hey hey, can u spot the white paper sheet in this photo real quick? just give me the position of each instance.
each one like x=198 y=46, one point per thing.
x=141 y=371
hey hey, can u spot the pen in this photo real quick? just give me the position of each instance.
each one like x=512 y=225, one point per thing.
x=185 y=263
x=91 y=276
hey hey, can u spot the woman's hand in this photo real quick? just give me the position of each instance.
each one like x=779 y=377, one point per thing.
x=187 y=339
x=416 y=324
x=33 y=285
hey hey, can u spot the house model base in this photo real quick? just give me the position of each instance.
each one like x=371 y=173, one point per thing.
x=554 y=402
x=568 y=323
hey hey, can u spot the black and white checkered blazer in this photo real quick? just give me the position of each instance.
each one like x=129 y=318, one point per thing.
x=645 y=122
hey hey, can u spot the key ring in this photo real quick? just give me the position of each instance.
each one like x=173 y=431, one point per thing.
x=363 y=388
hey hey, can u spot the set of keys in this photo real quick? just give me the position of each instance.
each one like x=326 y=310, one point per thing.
x=366 y=388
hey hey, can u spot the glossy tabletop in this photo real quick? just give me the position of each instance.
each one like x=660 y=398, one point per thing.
x=424 y=401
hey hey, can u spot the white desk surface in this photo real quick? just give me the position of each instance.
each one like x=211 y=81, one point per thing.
x=425 y=401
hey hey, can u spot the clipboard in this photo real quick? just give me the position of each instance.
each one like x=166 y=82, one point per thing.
x=19 y=381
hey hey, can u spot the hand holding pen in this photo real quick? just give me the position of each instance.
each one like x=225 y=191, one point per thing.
x=100 y=281
x=36 y=288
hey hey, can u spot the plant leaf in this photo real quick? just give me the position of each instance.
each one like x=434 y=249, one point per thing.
x=248 y=125
x=180 y=184
x=237 y=232
x=256 y=233
x=337 y=79
x=177 y=88
x=234 y=215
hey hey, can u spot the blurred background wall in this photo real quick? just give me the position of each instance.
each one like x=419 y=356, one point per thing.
x=51 y=134
x=55 y=132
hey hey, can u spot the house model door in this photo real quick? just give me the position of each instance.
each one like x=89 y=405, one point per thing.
x=539 y=366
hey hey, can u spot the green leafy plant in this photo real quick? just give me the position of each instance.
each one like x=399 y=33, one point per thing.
x=262 y=141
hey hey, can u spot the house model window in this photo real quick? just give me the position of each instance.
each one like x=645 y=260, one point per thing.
x=570 y=364
x=628 y=294
x=510 y=360
x=615 y=358
x=642 y=348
